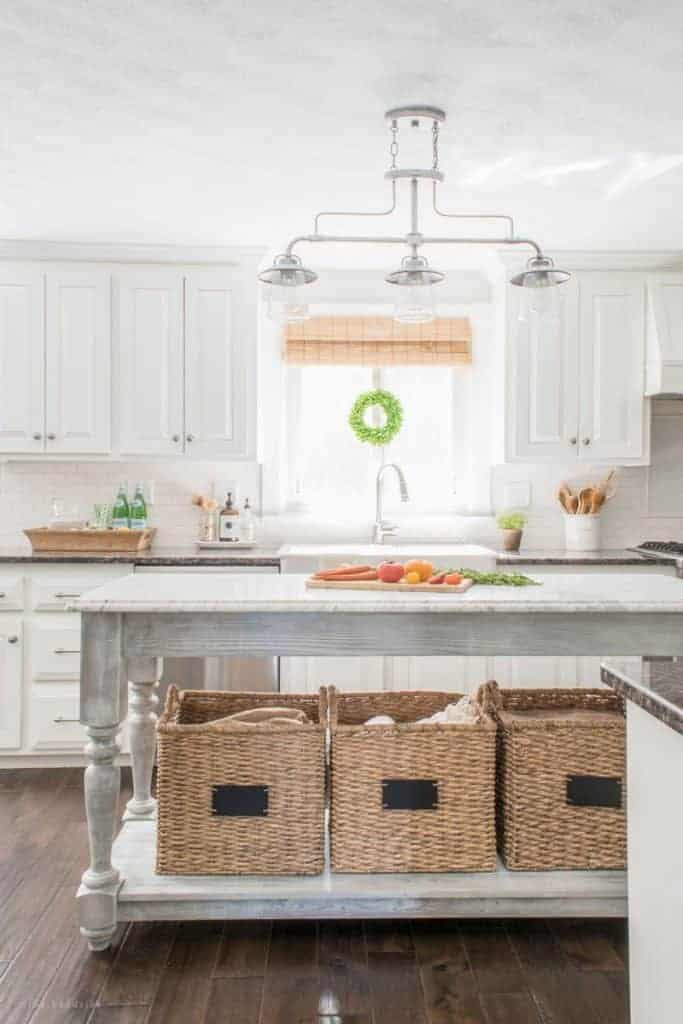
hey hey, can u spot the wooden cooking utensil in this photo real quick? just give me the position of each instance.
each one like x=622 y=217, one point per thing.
x=585 y=500
x=564 y=495
x=573 y=504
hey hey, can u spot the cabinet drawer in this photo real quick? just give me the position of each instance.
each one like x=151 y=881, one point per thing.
x=54 y=720
x=11 y=593
x=55 y=595
x=56 y=651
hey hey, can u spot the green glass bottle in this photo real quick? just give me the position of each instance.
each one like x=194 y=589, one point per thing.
x=138 y=510
x=120 y=516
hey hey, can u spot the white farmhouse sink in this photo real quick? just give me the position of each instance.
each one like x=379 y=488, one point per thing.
x=312 y=557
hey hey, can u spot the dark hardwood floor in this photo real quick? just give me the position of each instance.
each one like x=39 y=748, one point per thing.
x=433 y=972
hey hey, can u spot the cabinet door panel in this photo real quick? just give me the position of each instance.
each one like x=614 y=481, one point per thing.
x=543 y=395
x=22 y=375
x=612 y=366
x=78 y=361
x=149 y=308
x=215 y=364
x=10 y=681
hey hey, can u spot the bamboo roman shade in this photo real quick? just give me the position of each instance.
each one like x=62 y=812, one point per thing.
x=378 y=341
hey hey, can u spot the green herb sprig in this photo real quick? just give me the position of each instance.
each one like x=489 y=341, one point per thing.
x=497 y=579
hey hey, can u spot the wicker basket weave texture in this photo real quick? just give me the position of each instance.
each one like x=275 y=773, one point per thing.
x=537 y=828
x=458 y=835
x=194 y=755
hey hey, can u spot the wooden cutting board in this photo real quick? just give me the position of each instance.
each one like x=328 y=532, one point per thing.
x=432 y=588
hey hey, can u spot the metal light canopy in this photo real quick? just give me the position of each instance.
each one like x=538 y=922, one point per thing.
x=287 y=270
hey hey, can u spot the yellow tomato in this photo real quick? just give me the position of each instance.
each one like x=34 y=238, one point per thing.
x=412 y=577
x=422 y=568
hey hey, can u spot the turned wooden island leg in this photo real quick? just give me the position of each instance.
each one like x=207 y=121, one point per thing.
x=143 y=680
x=101 y=667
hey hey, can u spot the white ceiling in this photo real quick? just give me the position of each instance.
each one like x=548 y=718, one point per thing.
x=227 y=121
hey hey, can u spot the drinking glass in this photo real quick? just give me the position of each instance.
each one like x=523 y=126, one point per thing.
x=102 y=519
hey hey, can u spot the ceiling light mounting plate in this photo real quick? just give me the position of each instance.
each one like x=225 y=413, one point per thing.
x=416 y=113
x=394 y=173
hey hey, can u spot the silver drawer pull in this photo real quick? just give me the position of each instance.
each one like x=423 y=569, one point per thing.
x=12 y=639
x=60 y=719
x=65 y=650
x=3 y=594
x=64 y=594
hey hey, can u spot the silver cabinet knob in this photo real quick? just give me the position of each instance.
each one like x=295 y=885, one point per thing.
x=586 y=440
x=52 y=437
x=37 y=437
x=175 y=438
x=189 y=437
x=573 y=440
x=12 y=639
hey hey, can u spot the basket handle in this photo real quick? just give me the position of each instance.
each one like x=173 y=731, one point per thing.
x=489 y=697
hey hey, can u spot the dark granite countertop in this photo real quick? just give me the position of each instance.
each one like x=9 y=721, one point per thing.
x=259 y=556
x=608 y=556
x=654 y=684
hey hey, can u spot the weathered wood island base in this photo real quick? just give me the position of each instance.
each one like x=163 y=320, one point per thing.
x=130 y=624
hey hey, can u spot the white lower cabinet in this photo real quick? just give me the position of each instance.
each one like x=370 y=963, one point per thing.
x=55 y=721
x=11 y=656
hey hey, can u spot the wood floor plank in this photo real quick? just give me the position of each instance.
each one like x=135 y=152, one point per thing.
x=73 y=992
x=439 y=942
x=235 y=1000
x=450 y=995
x=119 y=1015
x=588 y=945
x=396 y=989
x=291 y=993
x=510 y=1008
x=244 y=949
x=343 y=959
x=535 y=944
x=607 y=994
x=28 y=976
x=185 y=983
x=389 y=937
x=492 y=957
x=135 y=975
x=558 y=997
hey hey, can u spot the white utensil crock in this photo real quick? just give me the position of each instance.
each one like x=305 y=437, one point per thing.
x=582 y=533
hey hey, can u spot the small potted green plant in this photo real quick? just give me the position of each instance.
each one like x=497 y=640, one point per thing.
x=512 y=525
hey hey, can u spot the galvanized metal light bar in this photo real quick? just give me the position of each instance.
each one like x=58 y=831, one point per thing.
x=415 y=275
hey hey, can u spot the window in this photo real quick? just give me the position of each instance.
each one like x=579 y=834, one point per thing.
x=330 y=470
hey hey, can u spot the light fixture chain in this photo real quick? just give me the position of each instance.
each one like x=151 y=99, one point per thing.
x=393 y=148
x=435 y=145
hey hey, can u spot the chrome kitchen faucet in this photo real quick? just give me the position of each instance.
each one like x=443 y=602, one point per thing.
x=382 y=528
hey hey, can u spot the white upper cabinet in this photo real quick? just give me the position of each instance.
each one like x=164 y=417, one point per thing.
x=22 y=374
x=78 y=362
x=215 y=365
x=186 y=350
x=543 y=402
x=664 y=362
x=612 y=416
x=576 y=382
x=149 y=330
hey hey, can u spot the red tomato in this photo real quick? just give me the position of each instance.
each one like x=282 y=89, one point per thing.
x=390 y=572
x=453 y=578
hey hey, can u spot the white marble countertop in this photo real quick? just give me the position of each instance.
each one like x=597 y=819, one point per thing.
x=197 y=592
x=382 y=552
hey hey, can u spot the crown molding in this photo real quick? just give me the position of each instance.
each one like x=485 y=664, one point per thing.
x=113 y=252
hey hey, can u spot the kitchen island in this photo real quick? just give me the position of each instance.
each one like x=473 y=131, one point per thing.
x=131 y=623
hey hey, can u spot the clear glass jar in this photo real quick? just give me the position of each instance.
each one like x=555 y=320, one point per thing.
x=208 y=525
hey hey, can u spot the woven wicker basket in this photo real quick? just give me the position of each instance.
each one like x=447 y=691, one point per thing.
x=560 y=779
x=239 y=799
x=409 y=797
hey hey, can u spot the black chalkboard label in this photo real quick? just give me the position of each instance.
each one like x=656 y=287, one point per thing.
x=593 y=791
x=409 y=794
x=239 y=801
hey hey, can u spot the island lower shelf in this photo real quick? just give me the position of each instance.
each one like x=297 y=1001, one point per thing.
x=146 y=896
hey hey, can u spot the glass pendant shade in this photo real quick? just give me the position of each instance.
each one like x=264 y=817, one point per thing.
x=285 y=281
x=415 y=301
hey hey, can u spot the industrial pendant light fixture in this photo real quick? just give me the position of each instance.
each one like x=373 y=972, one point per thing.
x=414 y=278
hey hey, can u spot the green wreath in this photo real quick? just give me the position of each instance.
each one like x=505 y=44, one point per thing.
x=392 y=410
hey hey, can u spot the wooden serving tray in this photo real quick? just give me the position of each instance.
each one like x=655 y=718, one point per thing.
x=91 y=542
x=432 y=588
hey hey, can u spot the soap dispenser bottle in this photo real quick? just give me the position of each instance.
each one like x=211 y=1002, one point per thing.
x=229 y=521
